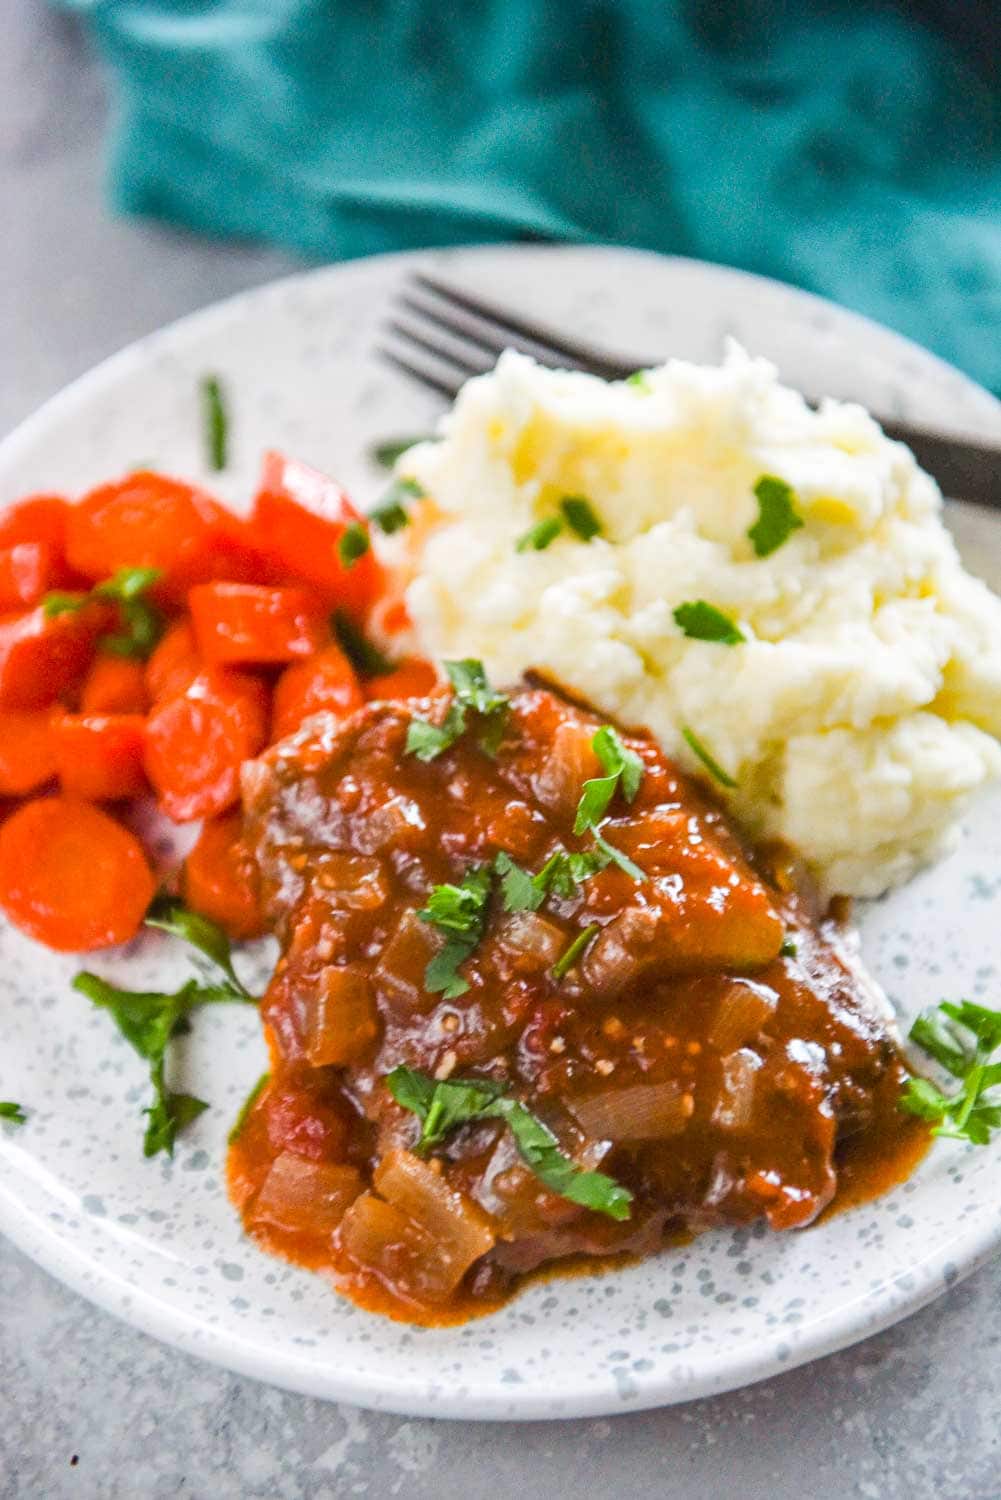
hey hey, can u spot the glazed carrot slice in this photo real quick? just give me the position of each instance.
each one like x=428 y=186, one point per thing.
x=174 y=664
x=115 y=685
x=72 y=877
x=240 y=623
x=149 y=521
x=42 y=658
x=99 y=757
x=326 y=681
x=300 y=517
x=27 y=751
x=220 y=878
x=414 y=677
x=26 y=573
x=38 y=518
x=197 y=741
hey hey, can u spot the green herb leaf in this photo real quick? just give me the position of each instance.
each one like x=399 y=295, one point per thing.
x=12 y=1112
x=58 y=603
x=538 y=537
x=624 y=770
x=568 y=959
x=704 y=622
x=174 y=917
x=789 y=949
x=367 y=660
x=474 y=694
x=961 y=1038
x=641 y=379
x=613 y=856
x=247 y=1106
x=148 y=1021
x=445 y=1106
x=353 y=544
x=216 y=423
x=562 y=874
x=127 y=584
x=520 y=890
x=385 y=454
x=580 y=517
x=391 y=514
x=460 y=911
x=777 y=517
x=714 y=768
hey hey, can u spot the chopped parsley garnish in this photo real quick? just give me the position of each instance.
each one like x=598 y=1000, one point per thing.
x=353 y=544
x=613 y=856
x=962 y=1039
x=562 y=874
x=172 y=916
x=459 y=911
x=777 y=517
x=623 y=771
x=538 y=537
x=442 y=1107
x=568 y=959
x=12 y=1112
x=216 y=423
x=472 y=694
x=713 y=766
x=367 y=660
x=789 y=949
x=704 y=622
x=640 y=379
x=391 y=514
x=150 y=1020
x=385 y=454
x=247 y=1106
x=580 y=517
x=141 y=622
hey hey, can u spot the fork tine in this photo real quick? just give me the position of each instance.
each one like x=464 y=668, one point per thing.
x=490 y=337
x=518 y=333
x=425 y=374
x=444 y=347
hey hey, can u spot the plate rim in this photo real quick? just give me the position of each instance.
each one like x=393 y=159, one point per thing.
x=57 y=1253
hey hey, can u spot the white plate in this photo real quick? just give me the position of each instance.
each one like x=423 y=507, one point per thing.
x=157 y=1242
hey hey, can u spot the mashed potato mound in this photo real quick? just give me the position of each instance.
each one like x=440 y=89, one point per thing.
x=863 y=708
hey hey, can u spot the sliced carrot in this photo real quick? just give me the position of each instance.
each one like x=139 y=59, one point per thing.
x=299 y=519
x=220 y=878
x=42 y=658
x=149 y=521
x=26 y=574
x=115 y=685
x=326 y=681
x=414 y=677
x=38 y=518
x=174 y=664
x=72 y=877
x=197 y=741
x=27 y=751
x=240 y=623
x=99 y=757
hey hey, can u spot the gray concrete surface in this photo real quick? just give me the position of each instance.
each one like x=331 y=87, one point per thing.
x=93 y=1410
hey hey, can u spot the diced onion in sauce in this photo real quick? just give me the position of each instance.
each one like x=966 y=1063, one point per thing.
x=741 y=1013
x=530 y=937
x=381 y=1238
x=339 y=1016
x=461 y=1231
x=570 y=762
x=399 y=974
x=735 y=1106
x=353 y=881
x=639 y=1112
x=301 y=1196
x=621 y=950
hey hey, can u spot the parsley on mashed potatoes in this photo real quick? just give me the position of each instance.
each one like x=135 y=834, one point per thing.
x=856 y=700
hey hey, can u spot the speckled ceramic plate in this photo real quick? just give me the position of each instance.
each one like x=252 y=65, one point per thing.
x=156 y=1242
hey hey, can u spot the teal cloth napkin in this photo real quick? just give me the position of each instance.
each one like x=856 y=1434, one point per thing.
x=840 y=146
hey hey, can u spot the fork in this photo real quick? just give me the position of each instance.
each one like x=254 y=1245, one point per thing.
x=441 y=337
